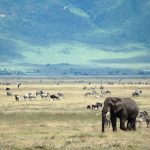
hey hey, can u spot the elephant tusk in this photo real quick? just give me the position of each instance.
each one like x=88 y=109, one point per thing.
x=98 y=113
x=107 y=113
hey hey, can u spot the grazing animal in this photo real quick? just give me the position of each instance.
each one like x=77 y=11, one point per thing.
x=60 y=94
x=105 y=92
x=137 y=93
x=88 y=107
x=26 y=97
x=17 y=97
x=45 y=95
x=39 y=93
x=31 y=96
x=99 y=104
x=7 y=89
x=107 y=122
x=108 y=92
x=54 y=97
x=95 y=106
x=139 y=120
x=19 y=85
x=146 y=117
x=90 y=93
x=9 y=93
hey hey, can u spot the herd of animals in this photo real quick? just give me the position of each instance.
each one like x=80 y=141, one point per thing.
x=126 y=109
x=33 y=96
x=42 y=94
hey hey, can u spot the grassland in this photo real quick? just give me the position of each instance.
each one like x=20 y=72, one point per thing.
x=66 y=124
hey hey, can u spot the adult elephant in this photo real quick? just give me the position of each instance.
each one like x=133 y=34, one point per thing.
x=125 y=109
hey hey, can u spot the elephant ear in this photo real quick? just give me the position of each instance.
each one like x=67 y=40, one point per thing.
x=118 y=107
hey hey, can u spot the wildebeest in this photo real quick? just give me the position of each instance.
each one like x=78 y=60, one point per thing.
x=19 y=84
x=108 y=92
x=88 y=107
x=99 y=104
x=54 y=97
x=7 y=89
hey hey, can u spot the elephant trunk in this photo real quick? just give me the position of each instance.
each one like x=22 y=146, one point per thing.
x=103 y=122
x=105 y=112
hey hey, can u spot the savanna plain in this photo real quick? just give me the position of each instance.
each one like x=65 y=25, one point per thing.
x=67 y=124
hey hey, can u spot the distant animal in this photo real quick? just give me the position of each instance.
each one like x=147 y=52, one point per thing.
x=45 y=95
x=88 y=107
x=108 y=92
x=9 y=93
x=99 y=104
x=31 y=96
x=18 y=98
x=95 y=106
x=105 y=92
x=19 y=85
x=7 y=89
x=90 y=93
x=26 y=97
x=39 y=93
x=137 y=93
x=60 y=94
x=54 y=97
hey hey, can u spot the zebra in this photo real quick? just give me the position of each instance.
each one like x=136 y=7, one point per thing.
x=18 y=98
x=146 y=117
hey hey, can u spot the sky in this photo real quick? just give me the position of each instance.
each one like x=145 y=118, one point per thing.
x=95 y=33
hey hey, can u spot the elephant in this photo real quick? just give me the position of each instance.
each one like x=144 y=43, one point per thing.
x=125 y=109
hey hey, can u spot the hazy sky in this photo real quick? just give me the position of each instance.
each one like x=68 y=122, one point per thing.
x=113 y=33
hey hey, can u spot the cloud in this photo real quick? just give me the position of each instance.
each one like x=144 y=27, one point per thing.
x=2 y=15
x=76 y=11
x=135 y=60
x=8 y=51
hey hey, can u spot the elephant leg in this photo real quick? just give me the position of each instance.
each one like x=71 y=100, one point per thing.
x=134 y=125
x=129 y=127
x=113 y=122
x=122 y=124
